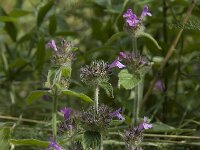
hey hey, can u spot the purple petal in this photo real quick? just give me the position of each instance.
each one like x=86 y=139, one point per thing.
x=53 y=145
x=159 y=85
x=52 y=44
x=144 y=125
x=117 y=114
x=122 y=55
x=145 y=12
x=66 y=112
x=117 y=63
x=128 y=14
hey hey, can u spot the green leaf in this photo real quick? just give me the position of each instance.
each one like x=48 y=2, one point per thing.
x=143 y=34
x=115 y=37
x=18 y=13
x=11 y=30
x=7 y=19
x=4 y=137
x=91 y=140
x=108 y=88
x=33 y=142
x=40 y=54
x=66 y=71
x=43 y=11
x=36 y=95
x=127 y=80
x=52 y=24
x=79 y=95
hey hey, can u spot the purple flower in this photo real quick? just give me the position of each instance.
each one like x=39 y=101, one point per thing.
x=52 y=44
x=132 y=18
x=117 y=114
x=117 y=63
x=53 y=145
x=145 y=12
x=144 y=125
x=122 y=55
x=159 y=85
x=66 y=112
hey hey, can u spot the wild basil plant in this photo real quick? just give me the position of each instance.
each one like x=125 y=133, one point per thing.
x=86 y=128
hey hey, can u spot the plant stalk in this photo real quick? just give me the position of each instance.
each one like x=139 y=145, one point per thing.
x=140 y=89
x=135 y=103
x=96 y=99
x=54 y=115
x=101 y=148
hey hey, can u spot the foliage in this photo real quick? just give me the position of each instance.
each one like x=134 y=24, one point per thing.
x=96 y=28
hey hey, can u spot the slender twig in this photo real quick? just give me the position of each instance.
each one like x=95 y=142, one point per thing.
x=170 y=51
x=22 y=119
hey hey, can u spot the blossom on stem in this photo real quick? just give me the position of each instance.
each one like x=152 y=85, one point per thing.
x=66 y=112
x=117 y=63
x=145 y=12
x=144 y=125
x=52 y=44
x=132 y=20
x=117 y=114
x=53 y=145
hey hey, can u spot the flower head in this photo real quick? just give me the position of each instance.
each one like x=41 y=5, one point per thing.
x=66 y=112
x=96 y=121
x=134 y=137
x=95 y=73
x=132 y=20
x=144 y=125
x=54 y=145
x=117 y=114
x=52 y=44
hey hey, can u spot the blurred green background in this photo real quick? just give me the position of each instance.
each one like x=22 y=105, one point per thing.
x=95 y=27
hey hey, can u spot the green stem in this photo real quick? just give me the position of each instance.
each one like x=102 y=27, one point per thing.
x=101 y=148
x=140 y=89
x=135 y=103
x=54 y=115
x=96 y=98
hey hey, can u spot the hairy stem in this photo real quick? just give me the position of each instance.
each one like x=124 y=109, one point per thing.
x=96 y=99
x=135 y=103
x=54 y=115
x=140 y=93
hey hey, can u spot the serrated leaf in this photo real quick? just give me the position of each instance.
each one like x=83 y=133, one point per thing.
x=52 y=24
x=33 y=142
x=35 y=95
x=92 y=140
x=143 y=34
x=115 y=37
x=79 y=95
x=43 y=11
x=108 y=88
x=127 y=80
